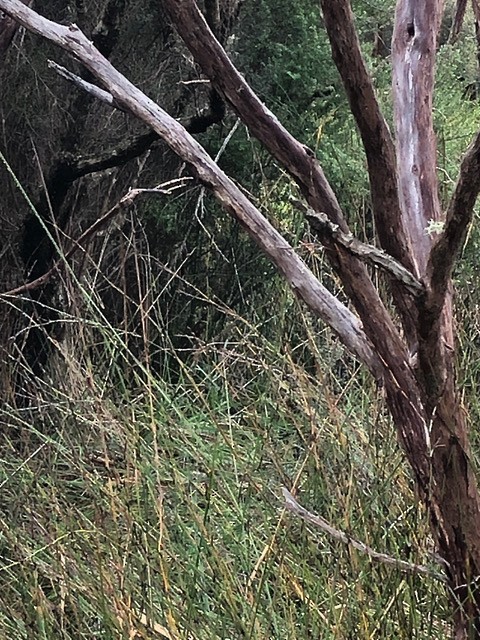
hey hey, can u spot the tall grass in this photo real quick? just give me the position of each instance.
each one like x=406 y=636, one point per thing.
x=141 y=503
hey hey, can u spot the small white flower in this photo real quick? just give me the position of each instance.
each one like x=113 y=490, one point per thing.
x=434 y=226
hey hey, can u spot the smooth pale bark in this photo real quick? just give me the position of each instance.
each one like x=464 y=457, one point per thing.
x=413 y=54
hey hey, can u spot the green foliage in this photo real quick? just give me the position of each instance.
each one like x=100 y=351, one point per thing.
x=156 y=512
x=289 y=65
x=457 y=109
x=285 y=55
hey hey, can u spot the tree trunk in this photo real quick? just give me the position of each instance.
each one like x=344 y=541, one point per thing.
x=451 y=494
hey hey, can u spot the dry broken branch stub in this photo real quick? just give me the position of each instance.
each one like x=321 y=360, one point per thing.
x=83 y=85
x=372 y=255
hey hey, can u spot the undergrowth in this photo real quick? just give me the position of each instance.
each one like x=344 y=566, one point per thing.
x=141 y=503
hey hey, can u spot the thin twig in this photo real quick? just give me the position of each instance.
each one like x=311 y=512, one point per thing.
x=124 y=202
x=95 y=91
x=407 y=567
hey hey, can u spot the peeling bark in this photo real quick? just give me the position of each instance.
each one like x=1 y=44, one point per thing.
x=448 y=247
x=414 y=46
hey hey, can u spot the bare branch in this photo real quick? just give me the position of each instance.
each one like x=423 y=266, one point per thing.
x=95 y=228
x=371 y=255
x=447 y=249
x=82 y=84
x=376 y=136
x=406 y=567
x=302 y=281
x=74 y=167
x=127 y=150
x=298 y=160
x=379 y=149
x=301 y=163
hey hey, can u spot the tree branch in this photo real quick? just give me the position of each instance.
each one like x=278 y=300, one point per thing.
x=366 y=252
x=302 y=281
x=373 y=128
x=414 y=52
x=302 y=165
x=97 y=226
x=77 y=167
x=448 y=247
x=460 y=8
x=84 y=85
x=379 y=149
x=406 y=567
x=298 y=160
